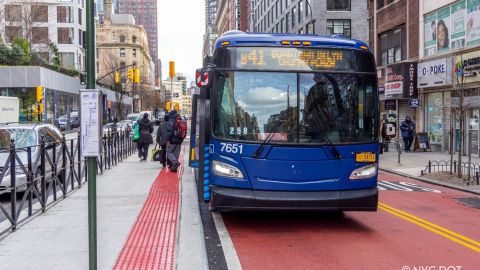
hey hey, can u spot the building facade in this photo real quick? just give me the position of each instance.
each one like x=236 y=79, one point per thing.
x=394 y=41
x=47 y=21
x=323 y=17
x=145 y=14
x=121 y=44
x=176 y=91
x=232 y=15
x=211 y=33
x=449 y=64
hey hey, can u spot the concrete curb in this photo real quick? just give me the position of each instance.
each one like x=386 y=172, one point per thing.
x=430 y=181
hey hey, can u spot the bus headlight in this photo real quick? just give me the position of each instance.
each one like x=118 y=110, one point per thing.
x=222 y=169
x=364 y=172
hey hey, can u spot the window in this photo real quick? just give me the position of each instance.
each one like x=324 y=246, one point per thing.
x=122 y=52
x=122 y=39
x=338 y=5
x=39 y=13
x=392 y=46
x=13 y=13
x=134 y=52
x=67 y=60
x=64 y=14
x=300 y=10
x=294 y=16
x=80 y=16
x=382 y=3
x=65 y=35
x=341 y=27
x=287 y=23
x=134 y=39
x=12 y=32
x=39 y=35
x=307 y=9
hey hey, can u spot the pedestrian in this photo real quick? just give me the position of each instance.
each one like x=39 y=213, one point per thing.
x=145 y=128
x=162 y=140
x=114 y=131
x=175 y=138
x=408 y=129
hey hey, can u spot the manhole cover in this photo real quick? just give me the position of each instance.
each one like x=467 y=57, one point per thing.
x=471 y=201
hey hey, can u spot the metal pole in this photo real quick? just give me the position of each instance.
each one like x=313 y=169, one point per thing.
x=91 y=161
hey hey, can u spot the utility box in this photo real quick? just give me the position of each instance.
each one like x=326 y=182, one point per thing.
x=9 y=110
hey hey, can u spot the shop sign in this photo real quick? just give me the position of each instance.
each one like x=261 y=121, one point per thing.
x=471 y=66
x=390 y=105
x=401 y=81
x=435 y=73
x=414 y=103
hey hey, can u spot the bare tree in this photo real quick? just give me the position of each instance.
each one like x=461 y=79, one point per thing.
x=460 y=105
x=111 y=64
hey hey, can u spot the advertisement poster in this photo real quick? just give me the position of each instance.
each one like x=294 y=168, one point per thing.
x=457 y=36
x=401 y=81
x=443 y=31
x=473 y=22
x=430 y=31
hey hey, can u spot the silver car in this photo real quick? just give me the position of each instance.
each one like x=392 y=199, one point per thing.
x=24 y=136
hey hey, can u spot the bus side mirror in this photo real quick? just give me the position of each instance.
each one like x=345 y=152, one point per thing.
x=204 y=77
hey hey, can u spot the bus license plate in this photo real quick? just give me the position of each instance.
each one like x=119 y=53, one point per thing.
x=365 y=157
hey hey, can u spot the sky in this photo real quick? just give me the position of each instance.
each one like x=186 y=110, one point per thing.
x=181 y=25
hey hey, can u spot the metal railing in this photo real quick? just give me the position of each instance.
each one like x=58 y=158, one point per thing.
x=470 y=170
x=35 y=177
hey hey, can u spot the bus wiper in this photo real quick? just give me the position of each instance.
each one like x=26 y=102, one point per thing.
x=332 y=146
x=269 y=137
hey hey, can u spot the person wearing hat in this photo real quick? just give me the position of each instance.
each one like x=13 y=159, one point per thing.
x=145 y=128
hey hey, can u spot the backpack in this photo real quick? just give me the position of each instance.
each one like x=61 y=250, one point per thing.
x=136 y=133
x=180 y=128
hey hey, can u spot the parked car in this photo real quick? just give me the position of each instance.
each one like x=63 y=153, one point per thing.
x=133 y=117
x=24 y=136
x=63 y=119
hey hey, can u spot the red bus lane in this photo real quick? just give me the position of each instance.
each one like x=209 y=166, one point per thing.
x=422 y=229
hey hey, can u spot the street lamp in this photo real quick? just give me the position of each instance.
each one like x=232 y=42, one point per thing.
x=312 y=21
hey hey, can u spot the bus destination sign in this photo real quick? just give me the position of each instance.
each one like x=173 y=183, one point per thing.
x=289 y=58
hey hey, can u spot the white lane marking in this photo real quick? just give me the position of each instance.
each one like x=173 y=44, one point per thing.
x=233 y=262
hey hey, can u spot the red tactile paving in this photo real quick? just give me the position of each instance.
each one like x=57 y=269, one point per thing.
x=151 y=243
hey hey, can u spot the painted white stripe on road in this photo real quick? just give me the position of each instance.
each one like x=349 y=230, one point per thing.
x=233 y=262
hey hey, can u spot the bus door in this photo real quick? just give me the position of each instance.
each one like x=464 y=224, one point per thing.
x=199 y=135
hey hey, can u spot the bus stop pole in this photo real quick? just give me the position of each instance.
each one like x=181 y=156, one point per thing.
x=91 y=161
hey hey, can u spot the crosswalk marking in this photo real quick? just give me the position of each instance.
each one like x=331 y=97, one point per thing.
x=403 y=186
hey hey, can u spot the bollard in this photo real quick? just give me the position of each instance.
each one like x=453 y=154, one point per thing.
x=429 y=166
x=64 y=166
x=13 y=186
x=42 y=173
x=399 y=151
x=30 y=181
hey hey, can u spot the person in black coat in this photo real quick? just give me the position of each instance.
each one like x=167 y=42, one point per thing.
x=162 y=139
x=174 y=144
x=145 y=128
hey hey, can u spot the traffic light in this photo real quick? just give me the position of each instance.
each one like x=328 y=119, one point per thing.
x=117 y=77
x=130 y=73
x=172 y=69
x=136 y=75
x=40 y=108
x=39 y=94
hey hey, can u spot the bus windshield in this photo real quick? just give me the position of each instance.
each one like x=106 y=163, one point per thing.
x=295 y=107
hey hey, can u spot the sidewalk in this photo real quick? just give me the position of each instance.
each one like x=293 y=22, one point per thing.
x=412 y=163
x=58 y=239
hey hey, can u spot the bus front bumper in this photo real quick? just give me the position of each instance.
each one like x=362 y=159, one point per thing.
x=224 y=198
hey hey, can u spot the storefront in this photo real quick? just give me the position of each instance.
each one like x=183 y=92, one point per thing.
x=435 y=84
x=398 y=91
x=471 y=84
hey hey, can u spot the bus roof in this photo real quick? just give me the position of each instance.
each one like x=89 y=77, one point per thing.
x=239 y=38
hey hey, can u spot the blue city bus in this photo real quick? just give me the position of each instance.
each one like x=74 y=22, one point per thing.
x=287 y=122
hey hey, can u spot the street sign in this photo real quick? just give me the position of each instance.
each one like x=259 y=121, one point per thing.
x=414 y=103
x=90 y=118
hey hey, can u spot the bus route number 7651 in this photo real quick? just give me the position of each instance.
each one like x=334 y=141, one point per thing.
x=232 y=148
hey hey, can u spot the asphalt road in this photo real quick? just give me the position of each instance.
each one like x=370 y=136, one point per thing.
x=416 y=225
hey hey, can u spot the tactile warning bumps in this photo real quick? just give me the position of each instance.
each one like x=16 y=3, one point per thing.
x=151 y=243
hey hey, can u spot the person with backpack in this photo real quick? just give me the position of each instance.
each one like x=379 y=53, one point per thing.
x=162 y=140
x=145 y=128
x=176 y=133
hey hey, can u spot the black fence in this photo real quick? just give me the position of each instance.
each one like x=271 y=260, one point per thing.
x=469 y=170
x=37 y=176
